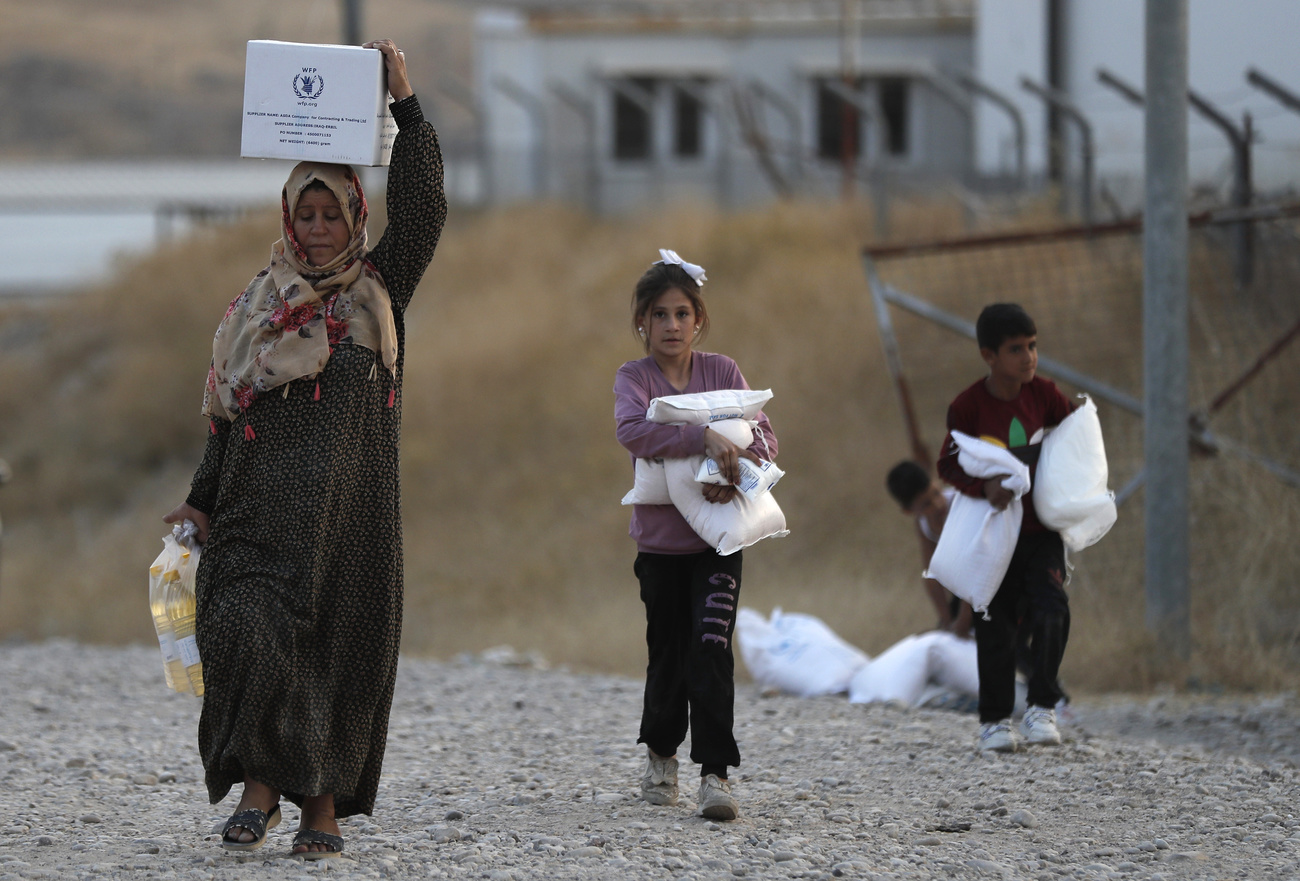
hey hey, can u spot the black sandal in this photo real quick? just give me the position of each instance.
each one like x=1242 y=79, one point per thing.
x=255 y=820
x=307 y=837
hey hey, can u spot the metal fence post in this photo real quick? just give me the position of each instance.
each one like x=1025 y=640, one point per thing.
x=1062 y=103
x=587 y=113
x=1242 y=188
x=1013 y=113
x=535 y=107
x=1165 y=327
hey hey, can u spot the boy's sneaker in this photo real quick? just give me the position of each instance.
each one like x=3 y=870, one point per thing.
x=998 y=737
x=659 y=783
x=1039 y=726
x=716 y=802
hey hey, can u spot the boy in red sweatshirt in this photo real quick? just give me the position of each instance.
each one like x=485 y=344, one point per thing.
x=1012 y=407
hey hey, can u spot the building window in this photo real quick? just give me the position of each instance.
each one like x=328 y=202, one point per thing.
x=688 y=123
x=632 y=118
x=893 y=97
x=839 y=124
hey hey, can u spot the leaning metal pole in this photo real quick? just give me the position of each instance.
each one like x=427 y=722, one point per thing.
x=1165 y=327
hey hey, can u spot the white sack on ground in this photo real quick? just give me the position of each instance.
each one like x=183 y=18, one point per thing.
x=704 y=408
x=1070 y=493
x=650 y=486
x=899 y=673
x=954 y=663
x=907 y=670
x=977 y=541
x=795 y=653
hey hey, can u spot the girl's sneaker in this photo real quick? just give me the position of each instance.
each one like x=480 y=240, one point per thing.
x=716 y=802
x=1039 y=726
x=998 y=737
x=659 y=783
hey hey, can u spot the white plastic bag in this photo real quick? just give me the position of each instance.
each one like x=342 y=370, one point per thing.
x=1070 y=493
x=795 y=653
x=650 y=484
x=975 y=547
x=703 y=408
x=171 y=605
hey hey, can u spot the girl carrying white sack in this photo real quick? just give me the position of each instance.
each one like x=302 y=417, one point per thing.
x=690 y=591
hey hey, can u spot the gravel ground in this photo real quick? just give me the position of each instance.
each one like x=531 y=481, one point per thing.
x=499 y=770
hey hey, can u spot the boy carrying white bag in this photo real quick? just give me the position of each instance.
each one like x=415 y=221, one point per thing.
x=977 y=541
x=1070 y=492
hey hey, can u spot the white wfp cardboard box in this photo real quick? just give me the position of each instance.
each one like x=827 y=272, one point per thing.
x=314 y=101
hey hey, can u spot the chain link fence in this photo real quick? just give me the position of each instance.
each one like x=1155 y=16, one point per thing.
x=1084 y=288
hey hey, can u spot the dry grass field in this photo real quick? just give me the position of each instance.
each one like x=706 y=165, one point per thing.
x=511 y=473
x=87 y=79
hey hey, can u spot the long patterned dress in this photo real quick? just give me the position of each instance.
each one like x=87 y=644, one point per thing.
x=300 y=584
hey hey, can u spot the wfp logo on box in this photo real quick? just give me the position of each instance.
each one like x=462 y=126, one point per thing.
x=308 y=84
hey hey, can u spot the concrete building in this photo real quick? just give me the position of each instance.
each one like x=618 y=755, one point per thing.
x=1066 y=43
x=628 y=104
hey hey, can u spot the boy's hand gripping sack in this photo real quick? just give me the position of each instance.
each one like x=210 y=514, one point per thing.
x=1070 y=493
x=977 y=541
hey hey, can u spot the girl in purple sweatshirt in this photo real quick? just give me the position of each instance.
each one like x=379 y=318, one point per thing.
x=690 y=592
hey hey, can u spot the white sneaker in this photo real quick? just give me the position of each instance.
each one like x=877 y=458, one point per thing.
x=716 y=802
x=659 y=783
x=998 y=737
x=1039 y=726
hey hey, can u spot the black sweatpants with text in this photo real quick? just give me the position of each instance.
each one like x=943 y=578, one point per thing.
x=1031 y=602
x=690 y=607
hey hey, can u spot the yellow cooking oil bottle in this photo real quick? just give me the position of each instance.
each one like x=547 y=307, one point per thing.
x=180 y=605
x=163 y=569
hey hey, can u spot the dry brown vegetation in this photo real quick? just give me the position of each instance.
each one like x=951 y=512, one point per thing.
x=84 y=78
x=511 y=473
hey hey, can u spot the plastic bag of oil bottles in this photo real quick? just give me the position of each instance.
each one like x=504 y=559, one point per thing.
x=172 y=604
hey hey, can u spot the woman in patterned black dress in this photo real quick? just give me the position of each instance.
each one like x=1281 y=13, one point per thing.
x=297 y=499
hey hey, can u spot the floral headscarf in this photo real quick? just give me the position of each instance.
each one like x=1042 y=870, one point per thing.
x=287 y=321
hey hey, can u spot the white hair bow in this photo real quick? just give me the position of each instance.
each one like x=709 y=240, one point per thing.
x=695 y=272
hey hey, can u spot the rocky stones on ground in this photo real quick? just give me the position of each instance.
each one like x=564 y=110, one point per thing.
x=502 y=770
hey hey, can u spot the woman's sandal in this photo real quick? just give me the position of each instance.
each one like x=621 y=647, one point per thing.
x=308 y=837
x=255 y=820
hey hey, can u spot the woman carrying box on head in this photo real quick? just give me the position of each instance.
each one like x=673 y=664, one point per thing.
x=690 y=591
x=297 y=499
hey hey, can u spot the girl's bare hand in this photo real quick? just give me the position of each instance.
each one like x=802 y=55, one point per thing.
x=718 y=494
x=726 y=454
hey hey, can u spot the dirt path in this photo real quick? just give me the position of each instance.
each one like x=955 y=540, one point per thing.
x=504 y=772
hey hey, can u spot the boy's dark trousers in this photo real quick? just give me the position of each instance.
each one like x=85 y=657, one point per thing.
x=1031 y=597
x=690 y=606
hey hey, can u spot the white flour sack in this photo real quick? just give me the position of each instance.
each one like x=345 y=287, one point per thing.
x=704 y=408
x=1070 y=493
x=650 y=484
x=726 y=527
x=795 y=653
x=978 y=540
